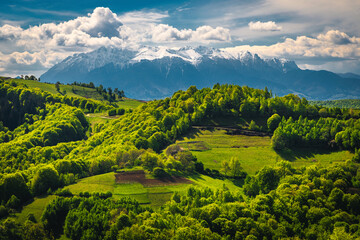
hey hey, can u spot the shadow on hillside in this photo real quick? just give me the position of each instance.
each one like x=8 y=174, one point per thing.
x=192 y=134
x=305 y=153
x=195 y=176
x=238 y=182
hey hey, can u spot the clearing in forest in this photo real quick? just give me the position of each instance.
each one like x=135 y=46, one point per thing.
x=214 y=145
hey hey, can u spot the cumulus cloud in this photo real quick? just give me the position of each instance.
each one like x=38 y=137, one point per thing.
x=9 y=32
x=18 y=63
x=102 y=27
x=264 y=26
x=164 y=33
x=333 y=44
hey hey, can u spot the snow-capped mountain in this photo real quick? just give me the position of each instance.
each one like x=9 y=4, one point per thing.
x=157 y=72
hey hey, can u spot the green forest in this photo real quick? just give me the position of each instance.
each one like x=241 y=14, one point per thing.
x=343 y=103
x=53 y=141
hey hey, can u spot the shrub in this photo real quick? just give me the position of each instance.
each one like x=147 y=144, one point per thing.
x=31 y=218
x=120 y=111
x=63 y=192
x=273 y=122
x=13 y=202
x=160 y=173
x=112 y=112
x=3 y=211
x=45 y=178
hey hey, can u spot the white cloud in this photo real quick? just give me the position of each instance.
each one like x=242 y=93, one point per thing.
x=264 y=26
x=9 y=32
x=102 y=27
x=333 y=44
x=164 y=33
x=27 y=63
x=143 y=17
x=304 y=17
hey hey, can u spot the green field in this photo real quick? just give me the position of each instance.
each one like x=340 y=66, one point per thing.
x=154 y=196
x=97 y=183
x=76 y=91
x=128 y=103
x=103 y=117
x=36 y=207
x=254 y=152
x=71 y=91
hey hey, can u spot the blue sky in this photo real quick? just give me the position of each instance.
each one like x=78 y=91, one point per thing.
x=322 y=34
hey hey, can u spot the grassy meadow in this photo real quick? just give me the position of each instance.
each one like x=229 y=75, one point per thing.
x=76 y=91
x=71 y=91
x=36 y=207
x=213 y=146
x=154 y=196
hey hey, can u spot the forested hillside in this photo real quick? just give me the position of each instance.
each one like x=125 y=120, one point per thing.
x=344 y=103
x=48 y=142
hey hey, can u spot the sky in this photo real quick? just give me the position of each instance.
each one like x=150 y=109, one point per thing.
x=318 y=35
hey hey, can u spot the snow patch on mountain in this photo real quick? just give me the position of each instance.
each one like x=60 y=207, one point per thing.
x=124 y=57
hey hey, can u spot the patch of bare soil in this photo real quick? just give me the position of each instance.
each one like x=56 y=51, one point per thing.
x=139 y=176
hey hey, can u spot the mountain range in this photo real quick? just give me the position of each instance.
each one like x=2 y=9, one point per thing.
x=157 y=72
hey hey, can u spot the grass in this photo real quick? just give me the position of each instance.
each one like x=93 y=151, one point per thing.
x=219 y=139
x=254 y=152
x=129 y=188
x=96 y=119
x=154 y=196
x=128 y=103
x=76 y=91
x=71 y=91
x=252 y=159
x=36 y=207
x=98 y=183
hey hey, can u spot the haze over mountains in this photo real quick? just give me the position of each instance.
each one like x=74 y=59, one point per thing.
x=157 y=72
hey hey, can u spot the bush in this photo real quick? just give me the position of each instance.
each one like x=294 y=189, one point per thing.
x=160 y=173
x=356 y=157
x=45 y=178
x=64 y=193
x=253 y=126
x=199 y=167
x=13 y=202
x=120 y=111
x=3 y=211
x=101 y=166
x=112 y=112
x=277 y=141
x=273 y=122
x=15 y=184
x=84 y=194
x=31 y=218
